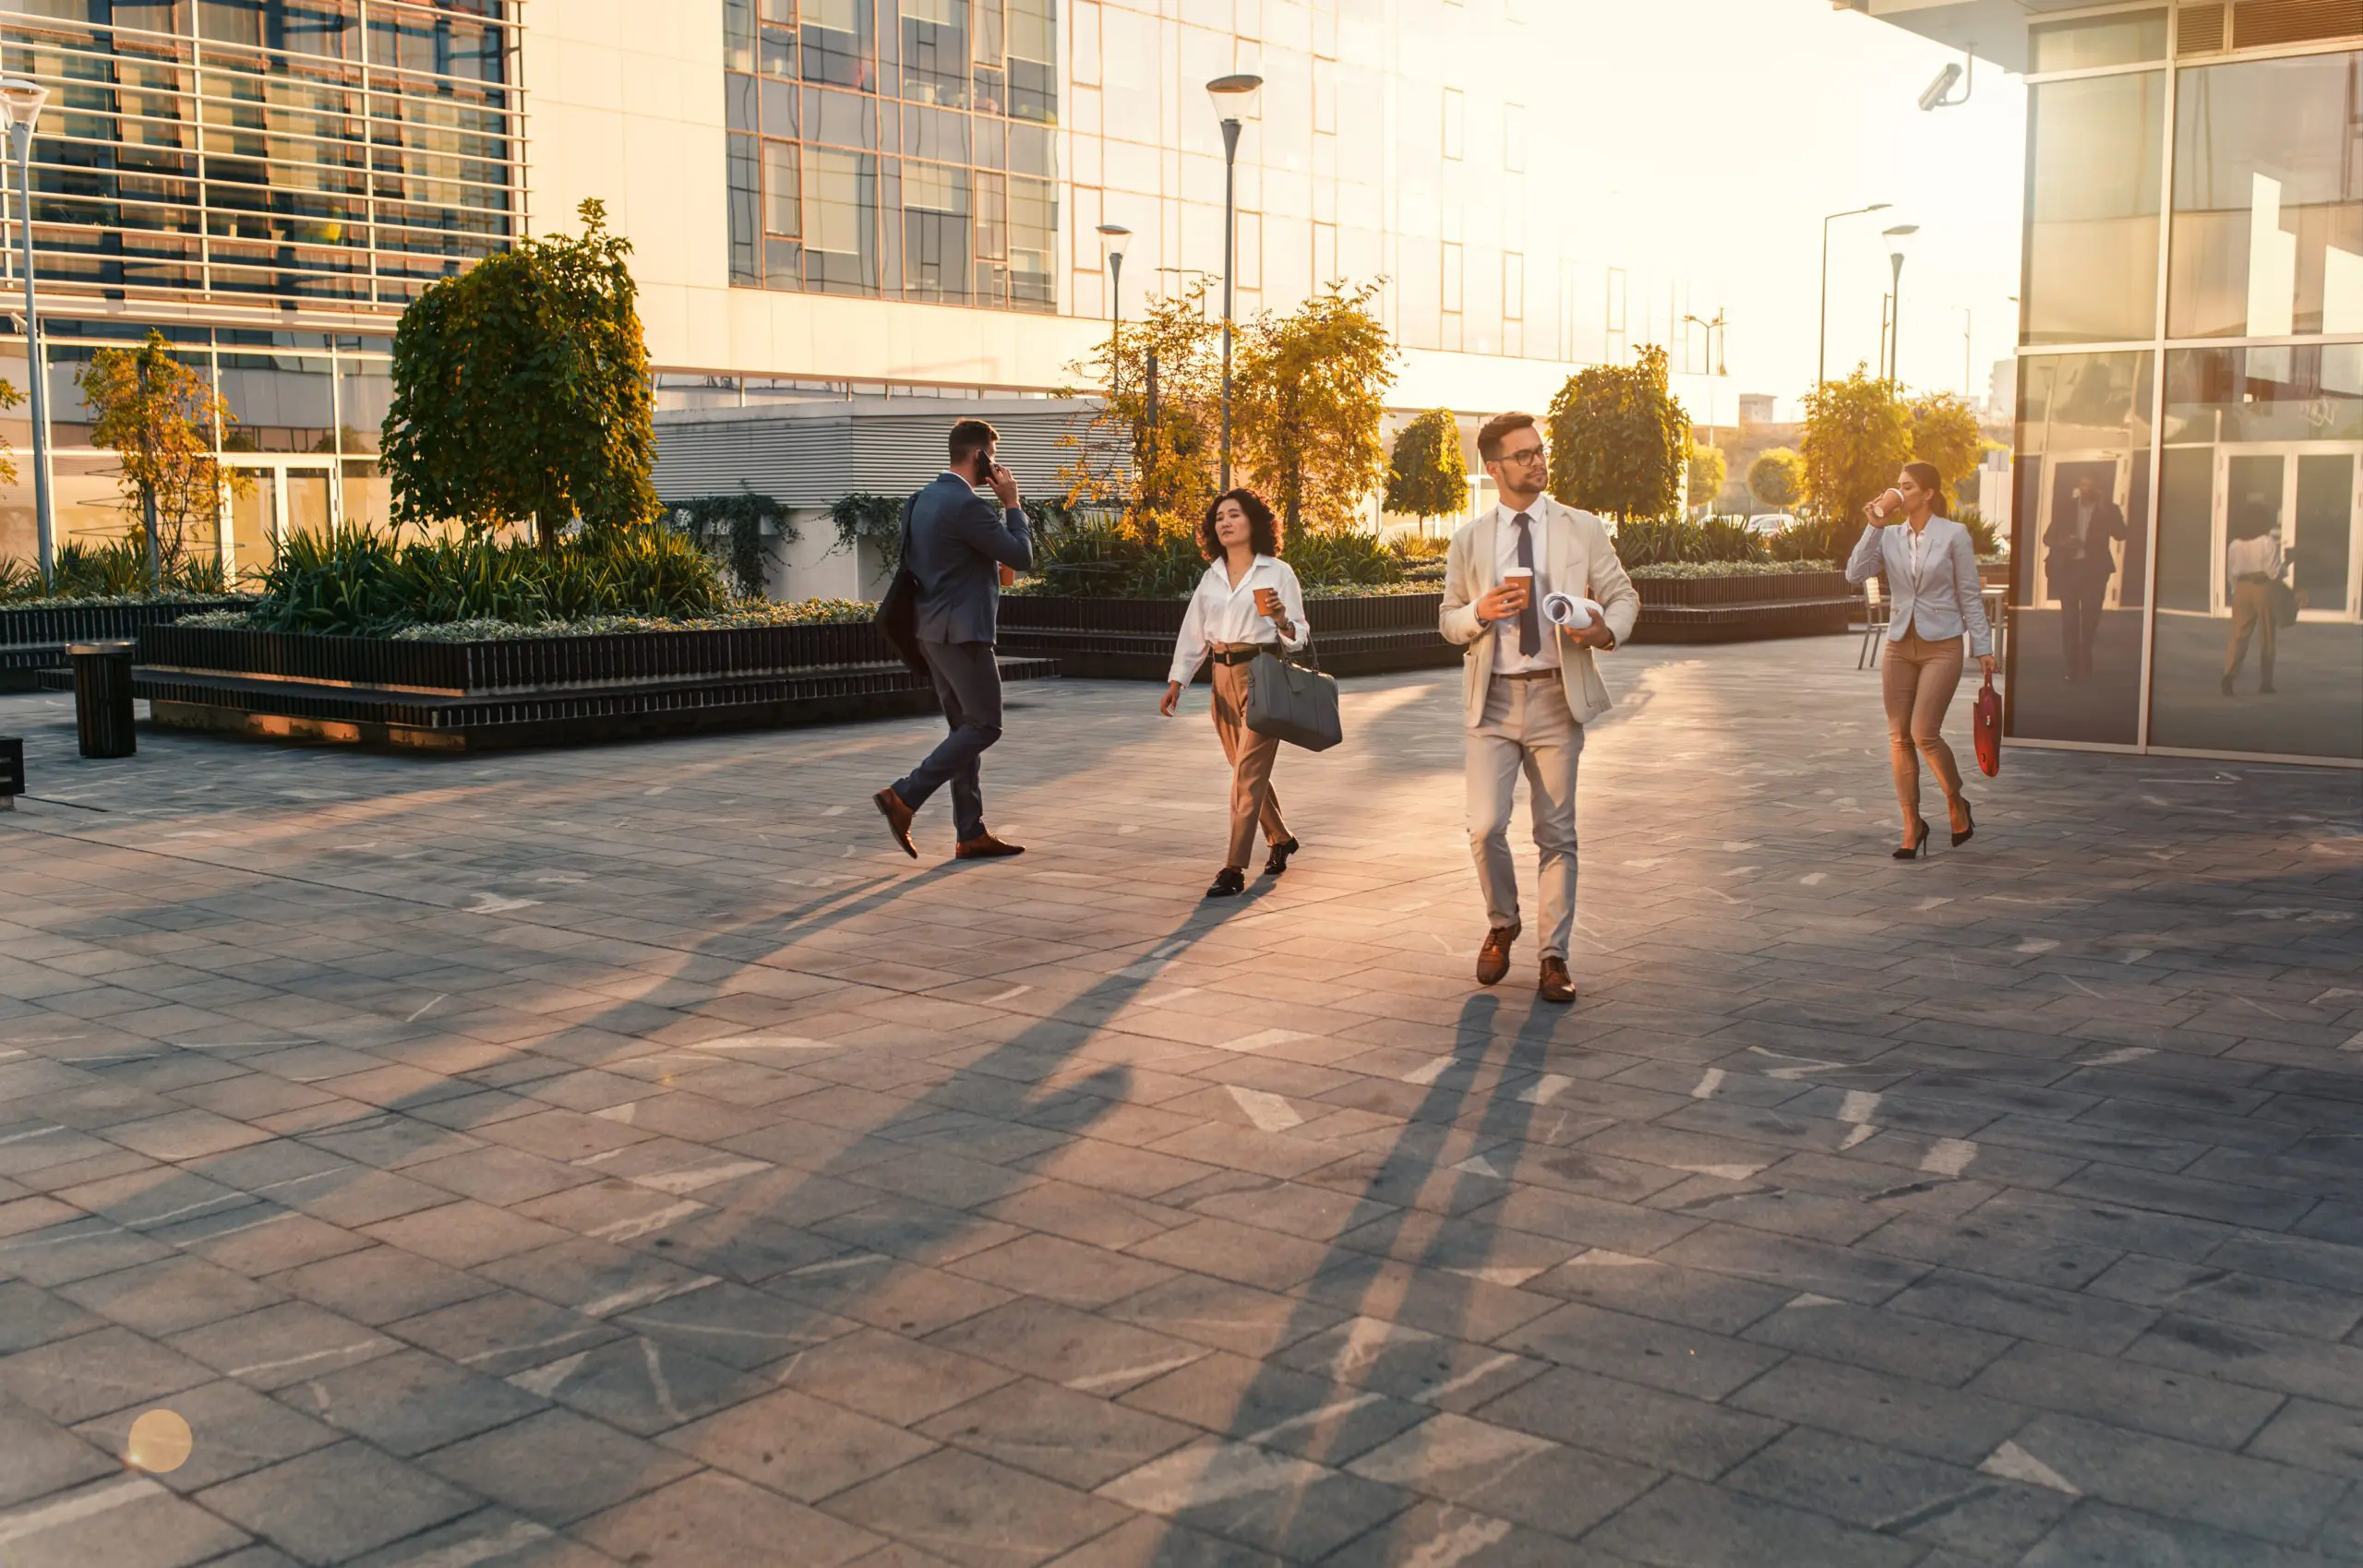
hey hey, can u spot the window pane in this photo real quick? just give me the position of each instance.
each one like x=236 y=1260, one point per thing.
x=1032 y=89
x=783 y=203
x=2093 y=185
x=1033 y=242
x=2265 y=459
x=935 y=52
x=2096 y=42
x=935 y=232
x=745 y=195
x=2080 y=546
x=840 y=221
x=2268 y=226
x=840 y=39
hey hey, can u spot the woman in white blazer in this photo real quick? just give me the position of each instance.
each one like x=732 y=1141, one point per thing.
x=1931 y=570
x=1248 y=603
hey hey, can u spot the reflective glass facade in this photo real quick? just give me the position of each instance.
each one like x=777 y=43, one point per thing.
x=2188 y=540
x=329 y=152
x=895 y=149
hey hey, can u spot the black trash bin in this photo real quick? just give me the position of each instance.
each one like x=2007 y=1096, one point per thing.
x=102 y=698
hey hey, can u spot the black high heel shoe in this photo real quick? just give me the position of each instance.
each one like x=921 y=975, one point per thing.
x=1919 y=845
x=1969 y=831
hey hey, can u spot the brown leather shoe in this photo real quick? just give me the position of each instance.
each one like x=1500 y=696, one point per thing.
x=984 y=846
x=899 y=818
x=1557 y=985
x=1494 y=958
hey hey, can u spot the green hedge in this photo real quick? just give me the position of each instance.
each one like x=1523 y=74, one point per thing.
x=114 y=573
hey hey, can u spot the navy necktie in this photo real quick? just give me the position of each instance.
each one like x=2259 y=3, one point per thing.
x=1529 y=619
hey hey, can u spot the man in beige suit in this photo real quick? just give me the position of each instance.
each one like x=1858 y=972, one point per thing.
x=1529 y=686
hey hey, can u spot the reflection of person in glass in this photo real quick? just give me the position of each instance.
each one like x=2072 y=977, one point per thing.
x=2252 y=564
x=1931 y=571
x=2079 y=565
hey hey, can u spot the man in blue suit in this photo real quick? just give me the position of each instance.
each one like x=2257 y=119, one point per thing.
x=960 y=551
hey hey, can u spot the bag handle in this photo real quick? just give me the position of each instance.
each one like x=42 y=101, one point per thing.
x=903 y=548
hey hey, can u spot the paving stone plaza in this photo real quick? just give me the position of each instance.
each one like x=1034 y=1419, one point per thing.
x=623 y=1155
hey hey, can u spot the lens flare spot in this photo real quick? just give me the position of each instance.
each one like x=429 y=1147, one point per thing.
x=160 y=1442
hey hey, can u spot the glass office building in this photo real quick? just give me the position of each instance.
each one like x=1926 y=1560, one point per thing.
x=269 y=182
x=2191 y=359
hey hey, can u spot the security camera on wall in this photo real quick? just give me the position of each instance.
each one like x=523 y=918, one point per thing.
x=1936 y=96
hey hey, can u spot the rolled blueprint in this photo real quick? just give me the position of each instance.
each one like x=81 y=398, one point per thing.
x=1566 y=609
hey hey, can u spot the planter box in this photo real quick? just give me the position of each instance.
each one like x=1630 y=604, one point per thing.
x=531 y=691
x=1744 y=609
x=1132 y=639
x=34 y=640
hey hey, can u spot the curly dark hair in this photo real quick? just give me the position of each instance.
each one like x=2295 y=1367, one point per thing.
x=1263 y=528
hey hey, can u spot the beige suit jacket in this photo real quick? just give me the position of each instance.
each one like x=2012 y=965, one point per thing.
x=1580 y=559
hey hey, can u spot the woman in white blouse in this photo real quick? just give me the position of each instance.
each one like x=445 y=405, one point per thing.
x=1247 y=603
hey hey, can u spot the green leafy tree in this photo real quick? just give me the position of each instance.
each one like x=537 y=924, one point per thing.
x=160 y=418
x=1427 y=477
x=1618 y=438
x=1708 y=469
x=522 y=391
x=1856 y=435
x=1945 y=433
x=1776 y=478
x=1308 y=393
x=1153 y=445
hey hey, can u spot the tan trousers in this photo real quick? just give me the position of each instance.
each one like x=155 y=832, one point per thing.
x=1918 y=681
x=2252 y=617
x=1251 y=800
x=1527 y=728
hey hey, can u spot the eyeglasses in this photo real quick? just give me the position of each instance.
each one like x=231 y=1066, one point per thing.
x=1530 y=454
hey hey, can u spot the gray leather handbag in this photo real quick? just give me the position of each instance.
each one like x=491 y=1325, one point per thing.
x=1293 y=702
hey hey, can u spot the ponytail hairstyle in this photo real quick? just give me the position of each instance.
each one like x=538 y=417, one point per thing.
x=1925 y=474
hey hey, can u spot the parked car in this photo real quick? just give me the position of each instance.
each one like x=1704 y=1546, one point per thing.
x=1770 y=522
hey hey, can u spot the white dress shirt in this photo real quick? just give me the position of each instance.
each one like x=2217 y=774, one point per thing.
x=1220 y=613
x=2260 y=554
x=1916 y=536
x=1507 y=658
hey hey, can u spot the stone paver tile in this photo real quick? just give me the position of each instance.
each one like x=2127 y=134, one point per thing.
x=1919 y=1417
x=1502 y=1471
x=968 y=1510
x=283 y=1344
x=232 y=1429
x=733 y=1324
x=410 y=1402
x=2251 y=1497
x=894 y=1379
x=464 y=1234
x=1226 y=1316
x=336 y=1502
x=1066 y=1271
x=1653 y=1287
x=2250 y=1355
x=1277 y=1407
x=503 y=1331
x=595 y=1278
x=2100 y=1535
x=2127 y=1393
x=38 y=1457
x=1667 y=1356
x=1055 y=1432
x=556 y=1467
x=1145 y=1541
x=2070 y=1319
x=1900 y=1494
x=74 y=1380
x=127 y=1522
x=639 y=1384
x=489 y=1538
x=1410 y=1363
x=379 y=1284
x=714 y=1521
x=1702 y=1527
x=793 y=1443
x=170 y=1295
x=1081 y=1350
x=31 y=1316
x=1879 y=1338
x=1431 y=1532
x=1624 y=1420
x=2317 y=1436
x=873 y=1288
x=1273 y=1502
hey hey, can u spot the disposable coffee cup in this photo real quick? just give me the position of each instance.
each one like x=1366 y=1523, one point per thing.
x=1889 y=504
x=1267 y=600
x=1521 y=578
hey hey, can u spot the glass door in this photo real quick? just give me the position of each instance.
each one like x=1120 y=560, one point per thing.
x=2310 y=496
x=275 y=501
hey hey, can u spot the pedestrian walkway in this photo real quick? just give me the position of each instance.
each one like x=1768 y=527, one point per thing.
x=626 y=1156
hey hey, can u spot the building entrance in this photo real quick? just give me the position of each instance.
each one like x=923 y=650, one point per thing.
x=278 y=500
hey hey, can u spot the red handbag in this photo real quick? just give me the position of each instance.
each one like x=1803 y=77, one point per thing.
x=1986 y=723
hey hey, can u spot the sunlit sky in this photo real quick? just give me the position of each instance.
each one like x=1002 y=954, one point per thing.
x=1747 y=120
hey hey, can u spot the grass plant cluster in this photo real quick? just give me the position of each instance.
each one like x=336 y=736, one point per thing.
x=112 y=573
x=1110 y=558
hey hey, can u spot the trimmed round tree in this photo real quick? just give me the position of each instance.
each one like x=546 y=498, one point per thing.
x=1775 y=479
x=1619 y=438
x=522 y=391
x=1427 y=477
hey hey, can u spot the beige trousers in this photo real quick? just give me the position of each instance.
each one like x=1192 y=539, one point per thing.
x=1527 y=728
x=2252 y=617
x=1251 y=755
x=1918 y=682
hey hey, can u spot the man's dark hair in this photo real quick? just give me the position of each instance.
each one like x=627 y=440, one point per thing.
x=969 y=437
x=1494 y=431
x=1263 y=528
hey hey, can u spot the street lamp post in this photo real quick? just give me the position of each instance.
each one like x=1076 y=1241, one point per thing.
x=1234 y=98
x=1898 y=239
x=1821 y=341
x=20 y=103
x=1716 y=366
x=1113 y=237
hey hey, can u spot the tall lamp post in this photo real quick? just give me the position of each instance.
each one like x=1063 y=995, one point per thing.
x=1113 y=238
x=1821 y=341
x=20 y=103
x=1899 y=240
x=1234 y=98
x=1716 y=366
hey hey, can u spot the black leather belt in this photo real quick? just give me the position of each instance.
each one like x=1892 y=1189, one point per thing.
x=1525 y=674
x=1243 y=656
